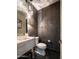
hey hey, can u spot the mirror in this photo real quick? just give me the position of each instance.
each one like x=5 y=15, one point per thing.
x=21 y=23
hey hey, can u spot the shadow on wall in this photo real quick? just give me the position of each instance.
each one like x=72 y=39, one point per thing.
x=49 y=26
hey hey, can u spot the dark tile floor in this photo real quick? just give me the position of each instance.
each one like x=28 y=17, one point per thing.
x=50 y=54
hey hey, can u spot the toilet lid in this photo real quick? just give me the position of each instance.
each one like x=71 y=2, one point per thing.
x=41 y=45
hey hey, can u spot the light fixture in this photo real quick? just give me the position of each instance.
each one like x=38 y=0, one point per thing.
x=29 y=16
x=26 y=0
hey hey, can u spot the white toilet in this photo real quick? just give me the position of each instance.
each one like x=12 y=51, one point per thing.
x=40 y=47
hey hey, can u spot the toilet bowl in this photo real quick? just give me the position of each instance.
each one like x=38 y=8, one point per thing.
x=40 y=48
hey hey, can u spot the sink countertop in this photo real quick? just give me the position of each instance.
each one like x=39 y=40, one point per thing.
x=21 y=39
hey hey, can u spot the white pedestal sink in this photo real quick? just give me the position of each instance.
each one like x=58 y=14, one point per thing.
x=24 y=44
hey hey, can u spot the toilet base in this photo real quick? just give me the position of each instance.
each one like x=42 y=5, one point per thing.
x=40 y=51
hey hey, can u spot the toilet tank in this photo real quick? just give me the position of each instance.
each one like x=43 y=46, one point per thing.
x=36 y=40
